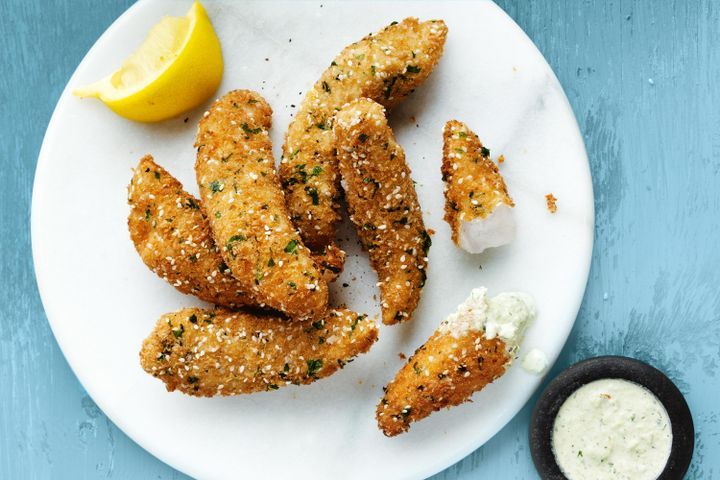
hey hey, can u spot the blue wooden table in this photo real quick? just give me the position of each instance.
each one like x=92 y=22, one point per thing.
x=642 y=78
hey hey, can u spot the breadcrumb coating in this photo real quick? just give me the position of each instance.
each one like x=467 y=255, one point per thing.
x=221 y=352
x=385 y=67
x=174 y=240
x=330 y=262
x=383 y=205
x=473 y=184
x=242 y=198
x=444 y=372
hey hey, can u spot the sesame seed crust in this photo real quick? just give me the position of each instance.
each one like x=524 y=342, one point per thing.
x=444 y=372
x=243 y=200
x=174 y=240
x=383 y=205
x=473 y=184
x=385 y=67
x=206 y=353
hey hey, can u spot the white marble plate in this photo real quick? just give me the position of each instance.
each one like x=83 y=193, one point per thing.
x=102 y=301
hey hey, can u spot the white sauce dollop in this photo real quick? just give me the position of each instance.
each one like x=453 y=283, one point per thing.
x=506 y=315
x=535 y=361
x=612 y=429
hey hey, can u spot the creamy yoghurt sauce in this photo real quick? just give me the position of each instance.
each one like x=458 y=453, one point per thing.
x=535 y=361
x=506 y=316
x=612 y=429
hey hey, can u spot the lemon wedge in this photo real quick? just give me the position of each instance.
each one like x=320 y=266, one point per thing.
x=178 y=67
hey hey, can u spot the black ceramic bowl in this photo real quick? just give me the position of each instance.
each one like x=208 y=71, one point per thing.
x=543 y=417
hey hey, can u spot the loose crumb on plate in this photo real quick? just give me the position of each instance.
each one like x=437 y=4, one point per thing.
x=551 y=202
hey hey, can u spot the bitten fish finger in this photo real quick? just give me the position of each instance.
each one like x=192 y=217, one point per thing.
x=470 y=349
x=478 y=207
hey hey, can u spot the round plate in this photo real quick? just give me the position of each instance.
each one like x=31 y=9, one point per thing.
x=102 y=301
x=552 y=398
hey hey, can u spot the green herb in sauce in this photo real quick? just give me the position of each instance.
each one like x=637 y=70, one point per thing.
x=612 y=429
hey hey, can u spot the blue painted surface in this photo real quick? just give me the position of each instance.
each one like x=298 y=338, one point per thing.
x=641 y=77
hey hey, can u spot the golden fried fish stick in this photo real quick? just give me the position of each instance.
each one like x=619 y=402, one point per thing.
x=180 y=247
x=242 y=198
x=383 y=205
x=174 y=239
x=385 y=67
x=477 y=205
x=222 y=352
x=470 y=349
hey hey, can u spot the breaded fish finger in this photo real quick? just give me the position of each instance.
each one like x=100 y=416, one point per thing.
x=221 y=352
x=477 y=205
x=174 y=240
x=383 y=205
x=243 y=200
x=180 y=248
x=470 y=349
x=385 y=67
